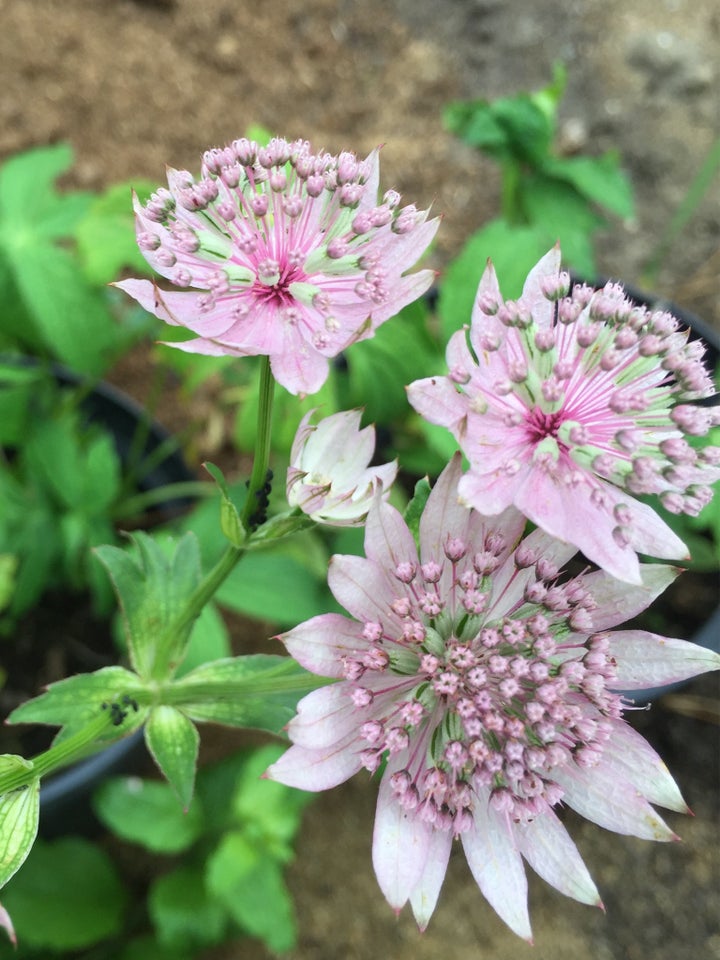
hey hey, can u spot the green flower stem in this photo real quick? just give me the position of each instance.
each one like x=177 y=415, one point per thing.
x=269 y=682
x=61 y=754
x=262 y=449
x=226 y=564
x=136 y=505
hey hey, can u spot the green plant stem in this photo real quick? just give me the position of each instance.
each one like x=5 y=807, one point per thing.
x=261 y=460
x=135 y=506
x=207 y=588
x=59 y=755
x=511 y=204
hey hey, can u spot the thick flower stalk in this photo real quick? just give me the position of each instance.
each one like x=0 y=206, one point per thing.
x=567 y=404
x=289 y=254
x=329 y=478
x=489 y=683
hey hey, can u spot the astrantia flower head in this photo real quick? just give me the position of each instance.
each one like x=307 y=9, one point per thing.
x=488 y=681
x=289 y=253
x=567 y=403
x=329 y=477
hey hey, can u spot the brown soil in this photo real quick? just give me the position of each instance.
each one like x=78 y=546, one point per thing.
x=136 y=85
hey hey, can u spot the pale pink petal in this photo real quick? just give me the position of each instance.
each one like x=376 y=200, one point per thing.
x=424 y=896
x=636 y=761
x=401 y=843
x=443 y=514
x=617 y=601
x=323 y=717
x=299 y=368
x=548 y=848
x=495 y=862
x=532 y=296
x=438 y=401
x=601 y=796
x=7 y=924
x=388 y=542
x=652 y=536
x=563 y=512
x=647 y=660
x=361 y=587
x=320 y=769
x=488 y=497
x=320 y=644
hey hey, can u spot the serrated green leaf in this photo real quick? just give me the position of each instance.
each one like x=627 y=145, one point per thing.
x=19 y=813
x=173 y=742
x=152 y=591
x=209 y=640
x=252 y=890
x=259 y=691
x=76 y=701
x=276 y=585
x=147 y=812
x=400 y=352
x=183 y=913
x=268 y=811
x=71 y=317
x=599 y=179
x=509 y=128
x=514 y=250
x=106 y=234
x=27 y=193
x=68 y=896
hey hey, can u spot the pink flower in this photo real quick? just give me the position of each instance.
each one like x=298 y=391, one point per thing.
x=289 y=254
x=329 y=478
x=566 y=405
x=488 y=682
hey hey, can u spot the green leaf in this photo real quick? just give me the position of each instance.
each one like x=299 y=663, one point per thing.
x=209 y=640
x=400 y=352
x=183 y=913
x=251 y=888
x=28 y=195
x=71 y=317
x=68 y=896
x=508 y=129
x=81 y=467
x=152 y=591
x=275 y=584
x=599 y=179
x=173 y=741
x=414 y=509
x=8 y=567
x=74 y=702
x=19 y=812
x=147 y=812
x=148 y=948
x=230 y=522
x=565 y=215
x=268 y=811
x=514 y=250
x=259 y=691
x=106 y=234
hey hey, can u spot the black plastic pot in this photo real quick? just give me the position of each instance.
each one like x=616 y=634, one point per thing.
x=65 y=797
